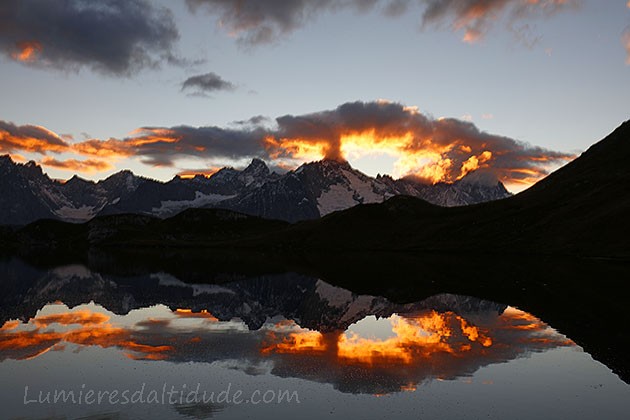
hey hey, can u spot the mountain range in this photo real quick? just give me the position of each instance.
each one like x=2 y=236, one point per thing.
x=579 y=210
x=313 y=190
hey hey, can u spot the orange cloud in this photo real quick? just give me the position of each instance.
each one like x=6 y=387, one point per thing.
x=442 y=150
x=84 y=166
x=160 y=146
x=17 y=157
x=27 y=51
x=115 y=148
x=191 y=173
x=82 y=317
x=10 y=325
x=87 y=329
x=188 y=313
x=424 y=346
x=30 y=138
x=415 y=338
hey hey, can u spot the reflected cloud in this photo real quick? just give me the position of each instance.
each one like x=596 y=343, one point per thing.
x=82 y=327
x=425 y=347
x=422 y=345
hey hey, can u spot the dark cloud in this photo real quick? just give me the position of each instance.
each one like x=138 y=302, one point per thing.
x=207 y=83
x=162 y=146
x=396 y=7
x=253 y=121
x=476 y=17
x=116 y=37
x=30 y=138
x=261 y=22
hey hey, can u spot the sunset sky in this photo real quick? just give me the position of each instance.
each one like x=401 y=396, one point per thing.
x=431 y=88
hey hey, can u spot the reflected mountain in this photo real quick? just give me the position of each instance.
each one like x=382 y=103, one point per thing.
x=312 y=303
x=287 y=325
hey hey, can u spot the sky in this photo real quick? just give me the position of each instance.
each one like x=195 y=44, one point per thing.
x=434 y=89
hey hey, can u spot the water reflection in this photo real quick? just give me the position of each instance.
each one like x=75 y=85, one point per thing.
x=423 y=345
x=70 y=326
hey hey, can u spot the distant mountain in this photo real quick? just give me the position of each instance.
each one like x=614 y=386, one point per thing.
x=311 y=191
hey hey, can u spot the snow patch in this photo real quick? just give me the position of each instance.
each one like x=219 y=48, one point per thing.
x=337 y=197
x=355 y=190
x=365 y=189
x=358 y=308
x=335 y=296
x=165 y=279
x=170 y=207
x=81 y=214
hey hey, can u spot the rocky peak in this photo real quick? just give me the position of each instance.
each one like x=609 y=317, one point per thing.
x=6 y=160
x=77 y=180
x=481 y=177
x=124 y=178
x=257 y=167
x=335 y=163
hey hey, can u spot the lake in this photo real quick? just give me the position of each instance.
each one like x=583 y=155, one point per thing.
x=77 y=343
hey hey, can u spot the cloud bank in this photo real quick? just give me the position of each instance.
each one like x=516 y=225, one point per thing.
x=29 y=138
x=433 y=150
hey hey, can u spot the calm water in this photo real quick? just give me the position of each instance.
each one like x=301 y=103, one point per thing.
x=275 y=346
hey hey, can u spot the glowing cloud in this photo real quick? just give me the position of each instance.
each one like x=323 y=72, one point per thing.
x=191 y=173
x=27 y=51
x=422 y=346
x=432 y=150
x=30 y=138
x=84 y=166
x=441 y=150
x=83 y=328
